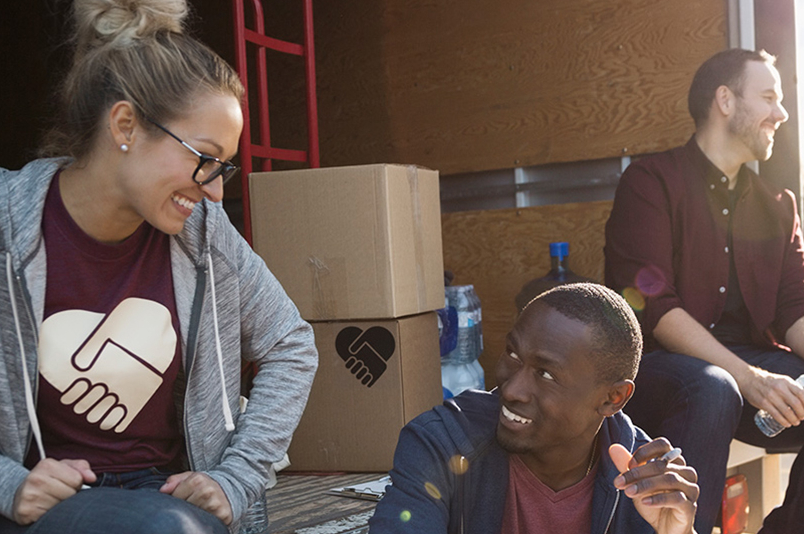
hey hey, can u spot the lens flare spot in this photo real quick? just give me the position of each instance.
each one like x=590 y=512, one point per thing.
x=633 y=297
x=458 y=464
x=405 y=516
x=432 y=490
x=650 y=281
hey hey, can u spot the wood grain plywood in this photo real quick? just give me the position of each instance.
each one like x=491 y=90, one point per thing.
x=474 y=85
x=499 y=250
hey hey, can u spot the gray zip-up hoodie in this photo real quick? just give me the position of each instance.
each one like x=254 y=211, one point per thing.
x=222 y=289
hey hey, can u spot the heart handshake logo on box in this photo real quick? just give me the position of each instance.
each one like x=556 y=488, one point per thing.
x=365 y=352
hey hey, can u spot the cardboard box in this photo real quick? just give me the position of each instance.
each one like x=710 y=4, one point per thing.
x=359 y=242
x=352 y=420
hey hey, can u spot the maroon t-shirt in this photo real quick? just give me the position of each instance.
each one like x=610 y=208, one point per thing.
x=532 y=507
x=109 y=349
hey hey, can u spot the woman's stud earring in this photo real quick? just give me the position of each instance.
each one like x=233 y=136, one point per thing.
x=124 y=147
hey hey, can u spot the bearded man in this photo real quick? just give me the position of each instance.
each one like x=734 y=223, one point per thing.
x=710 y=256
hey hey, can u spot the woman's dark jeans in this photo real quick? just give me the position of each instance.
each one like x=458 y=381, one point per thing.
x=128 y=503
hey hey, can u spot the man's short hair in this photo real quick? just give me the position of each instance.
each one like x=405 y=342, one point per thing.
x=616 y=334
x=724 y=68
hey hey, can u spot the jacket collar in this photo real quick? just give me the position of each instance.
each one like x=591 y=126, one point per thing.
x=26 y=191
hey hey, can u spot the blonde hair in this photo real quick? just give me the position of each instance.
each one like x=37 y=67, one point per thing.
x=138 y=51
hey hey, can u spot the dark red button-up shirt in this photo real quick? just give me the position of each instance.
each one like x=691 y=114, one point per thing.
x=666 y=244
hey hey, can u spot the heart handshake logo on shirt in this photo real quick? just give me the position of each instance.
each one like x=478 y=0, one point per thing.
x=365 y=353
x=108 y=366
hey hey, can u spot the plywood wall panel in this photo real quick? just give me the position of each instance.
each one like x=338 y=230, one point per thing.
x=498 y=251
x=476 y=85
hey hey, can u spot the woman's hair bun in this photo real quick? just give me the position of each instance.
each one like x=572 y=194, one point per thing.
x=100 y=22
x=137 y=51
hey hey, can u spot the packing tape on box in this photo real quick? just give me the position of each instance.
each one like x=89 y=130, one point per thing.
x=330 y=287
x=418 y=233
x=322 y=306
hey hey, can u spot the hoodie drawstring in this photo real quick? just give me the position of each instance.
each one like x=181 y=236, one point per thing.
x=227 y=411
x=29 y=402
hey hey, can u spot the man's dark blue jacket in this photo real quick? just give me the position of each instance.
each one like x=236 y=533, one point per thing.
x=430 y=495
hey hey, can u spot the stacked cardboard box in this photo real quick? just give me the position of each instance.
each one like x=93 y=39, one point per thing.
x=358 y=249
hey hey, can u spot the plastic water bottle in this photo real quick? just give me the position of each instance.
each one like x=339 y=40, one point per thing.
x=460 y=368
x=480 y=374
x=470 y=327
x=457 y=378
x=559 y=274
x=478 y=324
x=447 y=329
x=766 y=423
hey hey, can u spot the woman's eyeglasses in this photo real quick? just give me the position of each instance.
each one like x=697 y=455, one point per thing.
x=209 y=167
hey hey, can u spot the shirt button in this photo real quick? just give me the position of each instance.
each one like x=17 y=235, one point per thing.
x=723 y=179
x=725 y=211
x=727 y=250
x=711 y=186
x=722 y=289
x=711 y=326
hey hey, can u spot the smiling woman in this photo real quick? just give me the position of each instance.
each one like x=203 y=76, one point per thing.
x=135 y=69
x=133 y=297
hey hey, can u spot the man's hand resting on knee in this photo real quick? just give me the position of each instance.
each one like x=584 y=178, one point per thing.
x=49 y=482
x=779 y=395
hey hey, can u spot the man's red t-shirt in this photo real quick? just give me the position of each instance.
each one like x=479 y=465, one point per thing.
x=531 y=507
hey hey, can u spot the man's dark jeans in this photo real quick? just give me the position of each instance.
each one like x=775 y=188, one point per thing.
x=698 y=407
x=127 y=503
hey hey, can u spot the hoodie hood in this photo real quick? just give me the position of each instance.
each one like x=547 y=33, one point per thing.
x=21 y=233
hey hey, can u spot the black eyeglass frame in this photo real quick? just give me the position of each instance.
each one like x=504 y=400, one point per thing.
x=226 y=169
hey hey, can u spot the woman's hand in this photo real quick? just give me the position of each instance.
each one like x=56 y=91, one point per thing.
x=199 y=489
x=49 y=482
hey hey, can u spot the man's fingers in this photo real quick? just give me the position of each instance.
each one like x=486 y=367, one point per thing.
x=794 y=410
x=654 y=469
x=620 y=456
x=641 y=473
x=687 y=473
x=783 y=414
x=667 y=483
x=675 y=499
x=651 y=450
x=784 y=405
x=781 y=397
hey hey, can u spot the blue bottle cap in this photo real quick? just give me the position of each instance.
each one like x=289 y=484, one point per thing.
x=559 y=249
